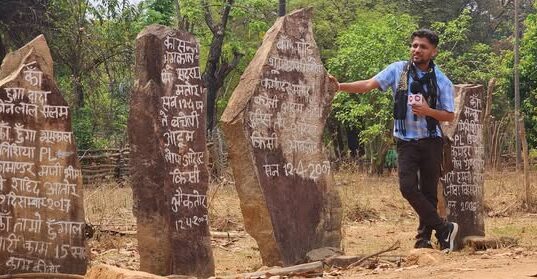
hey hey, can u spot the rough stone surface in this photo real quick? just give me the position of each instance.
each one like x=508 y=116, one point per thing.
x=104 y=271
x=462 y=188
x=168 y=155
x=424 y=257
x=274 y=125
x=41 y=203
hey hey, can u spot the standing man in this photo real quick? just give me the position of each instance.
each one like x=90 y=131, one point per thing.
x=417 y=132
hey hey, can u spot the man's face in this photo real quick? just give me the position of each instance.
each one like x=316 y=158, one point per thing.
x=422 y=51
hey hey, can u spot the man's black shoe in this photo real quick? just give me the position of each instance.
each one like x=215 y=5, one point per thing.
x=446 y=238
x=423 y=243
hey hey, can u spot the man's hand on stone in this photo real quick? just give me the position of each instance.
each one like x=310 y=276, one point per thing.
x=333 y=79
x=422 y=109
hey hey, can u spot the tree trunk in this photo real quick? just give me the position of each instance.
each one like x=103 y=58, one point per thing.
x=381 y=159
x=210 y=78
x=217 y=68
x=281 y=8
x=333 y=128
x=180 y=23
x=353 y=142
x=78 y=90
x=488 y=132
x=212 y=93
x=339 y=140
x=3 y=49
x=527 y=185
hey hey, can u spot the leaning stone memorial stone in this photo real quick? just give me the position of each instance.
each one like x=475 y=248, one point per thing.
x=169 y=162
x=274 y=125
x=463 y=186
x=41 y=205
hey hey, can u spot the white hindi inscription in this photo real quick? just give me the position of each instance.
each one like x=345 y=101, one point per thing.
x=183 y=177
x=466 y=179
x=172 y=43
x=191 y=222
x=264 y=142
x=167 y=75
x=185 y=74
x=189 y=201
x=172 y=57
x=287 y=107
x=310 y=170
x=310 y=66
x=32 y=202
x=5 y=131
x=265 y=101
x=181 y=117
x=33 y=75
x=32 y=188
x=15 y=94
x=259 y=119
x=302 y=48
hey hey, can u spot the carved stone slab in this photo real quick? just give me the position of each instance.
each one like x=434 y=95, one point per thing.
x=169 y=156
x=41 y=204
x=463 y=187
x=274 y=125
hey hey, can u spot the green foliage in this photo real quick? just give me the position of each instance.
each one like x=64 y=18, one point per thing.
x=467 y=61
x=93 y=47
x=249 y=20
x=364 y=49
x=159 y=11
x=83 y=129
x=332 y=17
x=92 y=42
x=528 y=92
x=454 y=33
x=367 y=47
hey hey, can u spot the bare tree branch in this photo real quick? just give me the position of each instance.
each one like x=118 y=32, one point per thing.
x=178 y=14
x=208 y=17
x=226 y=68
x=394 y=247
x=225 y=14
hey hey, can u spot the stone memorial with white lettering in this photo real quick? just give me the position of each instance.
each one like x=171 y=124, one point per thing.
x=41 y=204
x=166 y=130
x=274 y=125
x=463 y=186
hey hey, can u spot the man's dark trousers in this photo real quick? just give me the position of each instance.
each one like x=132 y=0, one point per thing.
x=421 y=157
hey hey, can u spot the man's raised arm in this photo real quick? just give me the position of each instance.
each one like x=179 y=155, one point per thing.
x=360 y=86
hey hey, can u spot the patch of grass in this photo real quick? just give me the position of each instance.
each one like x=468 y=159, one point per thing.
x=109 y=204
x=360 y=212
x=505 y=193
x=375 y=215
x=224 y=207
x=521 y=227
x=367 y=197
x=507 y=230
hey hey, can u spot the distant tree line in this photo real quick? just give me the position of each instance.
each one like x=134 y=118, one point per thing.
x=93 y=49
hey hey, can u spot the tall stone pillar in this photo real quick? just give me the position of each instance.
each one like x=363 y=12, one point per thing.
x=41 y=197
x=169 y=155
x=462 y=188
x=274 y=129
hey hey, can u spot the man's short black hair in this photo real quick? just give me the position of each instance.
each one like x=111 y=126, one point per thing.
x=431 y=36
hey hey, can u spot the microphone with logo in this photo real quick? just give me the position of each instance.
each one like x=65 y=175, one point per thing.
x=416 y=97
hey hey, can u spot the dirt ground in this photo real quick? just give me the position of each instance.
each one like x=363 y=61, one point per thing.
x=376 y=216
